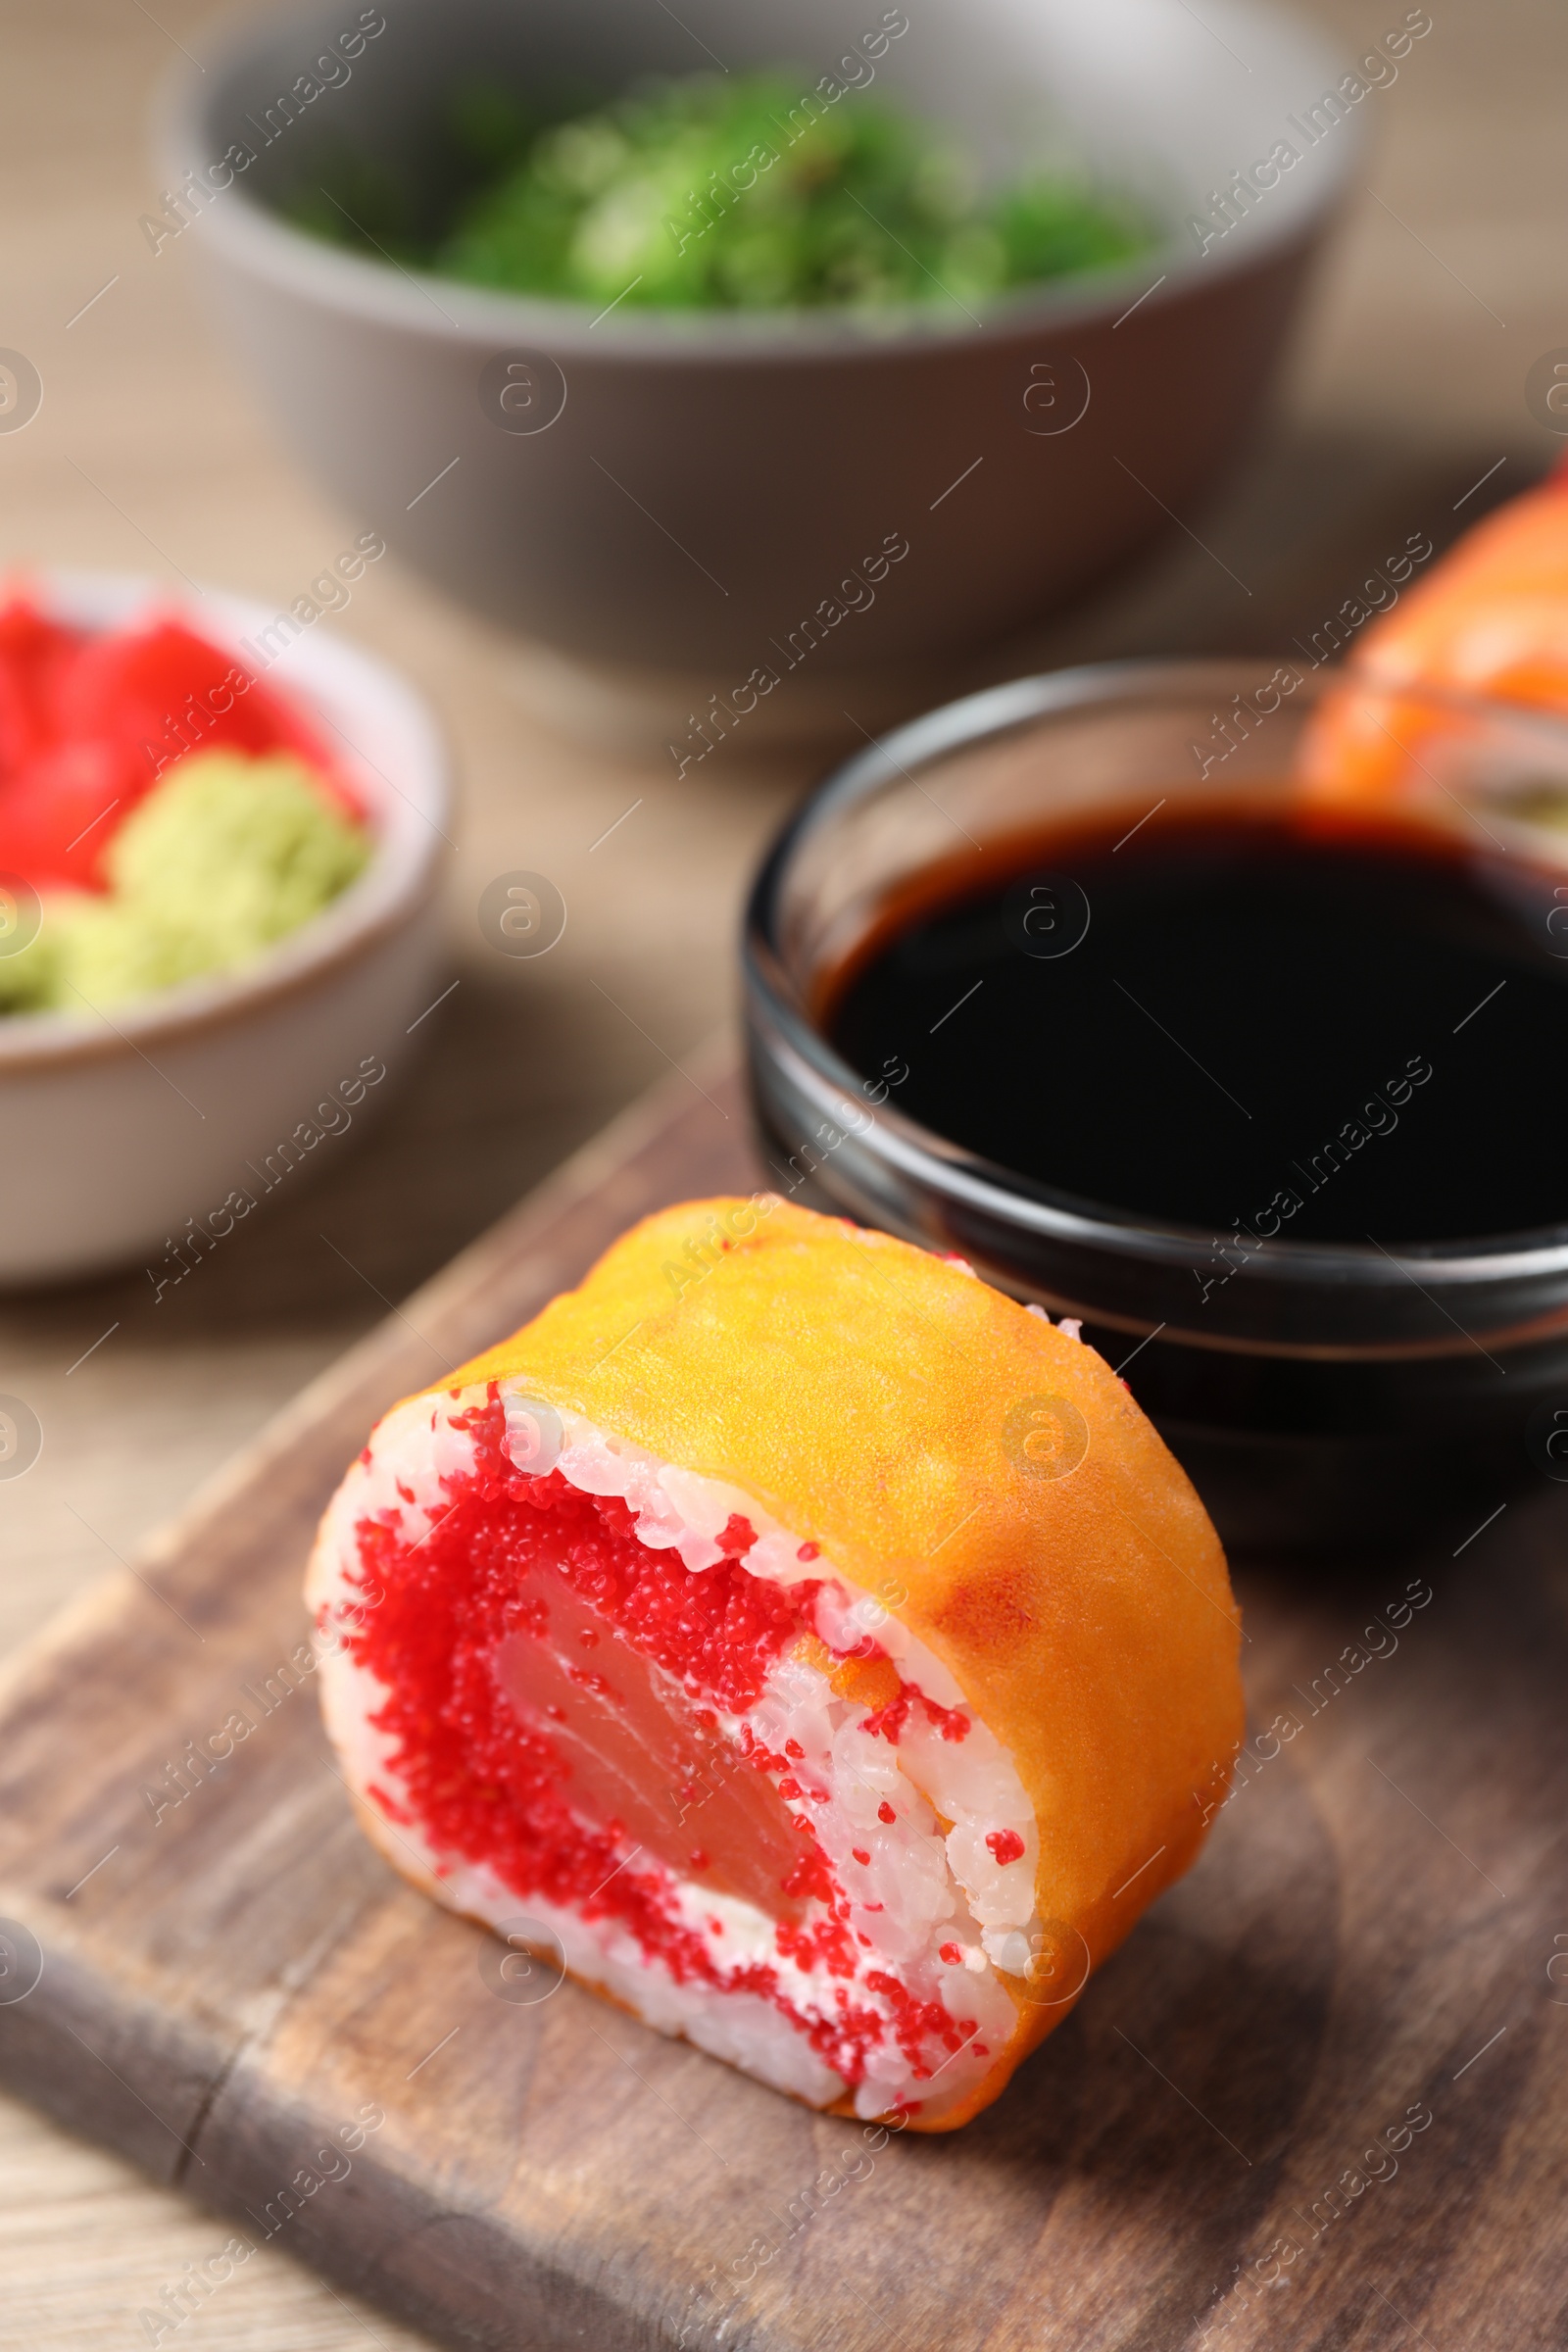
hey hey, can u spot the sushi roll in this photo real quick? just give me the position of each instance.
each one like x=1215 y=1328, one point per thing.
x=1488 y=621
x=819 y=1652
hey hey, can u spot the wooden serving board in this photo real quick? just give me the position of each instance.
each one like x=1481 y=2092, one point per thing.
x=1319 y=2100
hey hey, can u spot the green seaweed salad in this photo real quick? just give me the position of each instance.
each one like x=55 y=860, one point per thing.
x=739 y=191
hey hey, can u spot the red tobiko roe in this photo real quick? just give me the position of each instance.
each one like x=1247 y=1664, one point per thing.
x=553 y=1685
x=88 y=723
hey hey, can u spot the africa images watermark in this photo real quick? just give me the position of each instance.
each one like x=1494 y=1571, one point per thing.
x=194 y=2288
x=856 y=594
x=185 y=729
x=1268 y=2270
x=1230 y=205
x=1378 y=593
x=1377 y=1643
x=201 y=1760
x=703 y=1252
x=1379 y=1115
x=201 y=187
x=725 y=189
x=854 y=1121
x=855 y=2163
x=333 y=1115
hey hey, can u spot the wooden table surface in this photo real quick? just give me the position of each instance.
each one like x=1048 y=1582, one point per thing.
x=1404 y=387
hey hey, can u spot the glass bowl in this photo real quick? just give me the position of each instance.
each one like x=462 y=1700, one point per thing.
x=1337 y=1394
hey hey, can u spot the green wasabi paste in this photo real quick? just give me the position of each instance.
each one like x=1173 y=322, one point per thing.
x=225 y=855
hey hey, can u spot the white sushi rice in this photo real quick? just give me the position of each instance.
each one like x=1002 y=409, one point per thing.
x=931 y=1884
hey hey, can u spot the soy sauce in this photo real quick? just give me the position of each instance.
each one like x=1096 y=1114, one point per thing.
x=1312 y=1026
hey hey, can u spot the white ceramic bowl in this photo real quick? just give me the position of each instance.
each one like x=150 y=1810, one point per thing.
x=143 y=1132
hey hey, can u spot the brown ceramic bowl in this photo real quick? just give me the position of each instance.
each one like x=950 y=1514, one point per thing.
x=696 y=495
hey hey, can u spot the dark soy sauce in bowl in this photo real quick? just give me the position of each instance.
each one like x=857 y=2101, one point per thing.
x=1077 y=980
x=1273 y=1018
